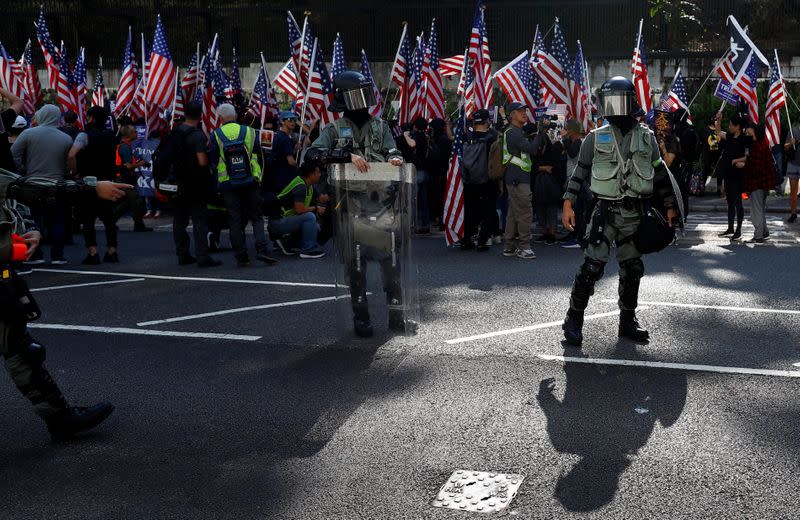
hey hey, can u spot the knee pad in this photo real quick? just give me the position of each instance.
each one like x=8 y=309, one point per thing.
x=591 y=271
x=633 y=268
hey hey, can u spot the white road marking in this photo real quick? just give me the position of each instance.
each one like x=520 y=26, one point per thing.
x=796 y=365
x=674 y=366
x=715 y=307
x=90 y=284
x=530 y=327
x=238 y=309
x=144 y=332
x=189 y=278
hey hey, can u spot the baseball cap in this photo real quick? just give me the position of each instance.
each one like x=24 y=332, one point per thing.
x=480 y=116
x=283 y=116
x=20 y=122
x=514 y=106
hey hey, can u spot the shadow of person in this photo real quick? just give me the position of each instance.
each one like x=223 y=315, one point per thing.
x=607 y=414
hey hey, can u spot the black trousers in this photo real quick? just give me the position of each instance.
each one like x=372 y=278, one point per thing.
x=185 y=209
x=734 y=187
x=103 y=210
x=135 y=204
x=479 y=209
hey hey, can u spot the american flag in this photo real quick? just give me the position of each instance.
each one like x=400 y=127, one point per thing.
x=66 y=70
x=416 y=89
x=234 y=84
x=639 y=73
x=30 y=76
x=263 y=103
x=52 y=57
x=377 y=109
x=13 y=80
x=550 y=68
x=189 y=80
x=454 y=192
x=128 y=78
x=479 y=91
x=286 y=80
x=580 y=95
x=295 y=46
x=403 y=77
x=99 y=93
x=747 y=89
x=451 y=66
x=303 y=72
x=776 y=100
x=516 y=80
x=338 y=64
x=79 y=89
x=161 y=77
x=433 y=78
x=209 y=121
x=320 y=89
x=676 y=97
x=178 y=107
x=220 y=82
x=734 y=67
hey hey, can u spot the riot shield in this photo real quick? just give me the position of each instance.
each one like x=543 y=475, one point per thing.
x=377 y=277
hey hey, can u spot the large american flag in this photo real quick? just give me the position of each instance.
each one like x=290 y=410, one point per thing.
x=263 y=103
x=128 y=78
x=451 y=66
x=550 y=68
x=416 y=96
x=639 y=73
x=338 y=64
x=479 y=91
x=99 y=93
x=516 y=80
x=30 y=76
x=12 y=79
x=377 y=109
x=454 y=191
x=403 y=77
x=209 y=120
x=304 y=70
x=234 y=83
x=69 y=99
x=747 y=89
x=320 y=89
x=52 y=58
x=190 y=78
x=161 y=77
x=581 y=97
x=433 y=78
x=295 y=48
x=676 y=97
x=776 y=99
x=79 y=86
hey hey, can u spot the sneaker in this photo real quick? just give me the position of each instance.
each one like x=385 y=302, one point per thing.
x=792 y=219
x=58 y=261
x=111 y=258
x=725 y=233
x=527 y=254
x=21 y=268
x=285 y=250
x=208 y=262
x=509 y=251
x=264 y=257
x=541 y=239
x=550 y=240
x=312 y=254
x=91 y=259
x=736 y=236
x=186 y=260
x=571 y=244
x=754 y=240
x=149 y=214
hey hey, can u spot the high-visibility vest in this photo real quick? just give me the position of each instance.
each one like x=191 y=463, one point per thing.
x=297 y=181
x=523 y=161
x=231 y=131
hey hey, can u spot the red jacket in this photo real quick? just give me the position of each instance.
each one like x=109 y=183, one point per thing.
x=760 y=172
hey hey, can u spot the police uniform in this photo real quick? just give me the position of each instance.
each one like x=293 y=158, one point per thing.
x=623 y=169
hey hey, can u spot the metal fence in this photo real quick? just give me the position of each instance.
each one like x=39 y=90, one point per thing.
x=606 y=28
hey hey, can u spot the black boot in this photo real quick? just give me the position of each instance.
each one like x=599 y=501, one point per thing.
x=361 y=322
x=573 y=328
x=629 y=327
x=399 y=323
x=76 y=419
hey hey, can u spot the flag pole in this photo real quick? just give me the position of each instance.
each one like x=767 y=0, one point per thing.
x=706 y=80
x=298 y=72
x=144 y=81
x=197 y=72
x=305 y=99
x=638 y=43
x=783 y=87
x=389 y=84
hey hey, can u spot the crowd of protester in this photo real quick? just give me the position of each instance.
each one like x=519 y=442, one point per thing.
x=514 y=174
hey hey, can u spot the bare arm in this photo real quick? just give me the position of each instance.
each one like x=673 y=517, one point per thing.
x=16 y=103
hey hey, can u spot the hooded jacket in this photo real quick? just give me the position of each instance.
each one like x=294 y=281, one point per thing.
x=42 y=151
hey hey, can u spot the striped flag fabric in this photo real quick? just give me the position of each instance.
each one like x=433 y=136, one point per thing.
x=416 y=90
x=160 y=90
x=433 y=78
x=516 y=80
x=377 y=109
x=550 y=70
x=67 y=98
x=747 y=90
x=734 y=67
x=338 y=64
x=320 y=89
x=128 y=78
x=220 y=81
x=79 y=88
x=479 y=91
x=30 y=76
x=13 y=80
x=304 y=69
x=676 y=97
x=190 y=80
x=286 y=80
x=639 y=73
x=178 y=109
x=209 y=120
x=263 y=104
x=401 y=60
x=56 y=69
x=545 y=96
x=776 y=100
x=581 y=97
x=99 y=93
x=451 y=66
x=454 y=192
x=233 y=86
x=295 y=47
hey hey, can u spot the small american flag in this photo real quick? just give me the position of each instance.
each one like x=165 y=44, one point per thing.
x=416 y=96
x=99 y=93
x=377 y=109
x=639 y=72
x=775 y=101
x=12 y=79
x=189 y=80
x=295 y=43
x=676 y=97
x=338 y=64
x=516 y=80
x=747 y=89
x=479 y=92
x=30 y=76
x=286 y=80
x=263 y=103
x=451 y=66
x=69 y=100
x=401 y=60
x=454 y=193
x=128 y=78
x=161 y=77
x=209 y=120
x=320 y=89
x=234 y=83
x=220 y=82
x=79 y=87
x=433 y=78
x=580 y=95
x=53 y=61
x=551 y=71
x=303 y=71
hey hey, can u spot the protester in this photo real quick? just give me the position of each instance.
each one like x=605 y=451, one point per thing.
x=441 y=141
x=93 y=155
x=709 y=154
x=414 y=145
x=684 y=132
x=127 y=165
x=759 y=178
x=41 y=151
x=70 y=126
x=571 y=139
x=792 y=172
x=517 y=150
x=284 y=152
x=548 y=184
x=479 y=190
x=20 y=124
x=238 y=176
x=299 y=207
x=732 y=163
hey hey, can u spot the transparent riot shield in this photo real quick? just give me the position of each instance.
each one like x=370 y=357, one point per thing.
x=377 y=277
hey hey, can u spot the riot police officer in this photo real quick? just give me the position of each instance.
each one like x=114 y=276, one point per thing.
x=622 y=164
x=24 y=356
x=360 y=139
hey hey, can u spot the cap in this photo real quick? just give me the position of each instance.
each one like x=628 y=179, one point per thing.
x=20 y=122
x=283 y=116
x=480 y=116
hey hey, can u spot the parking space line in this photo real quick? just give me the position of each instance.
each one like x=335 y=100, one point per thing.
x=144 y=332
x=715 y=307
x=189 y=278
x=90 y=284
x=529 y=328
x=673 y=366
x=237 y=310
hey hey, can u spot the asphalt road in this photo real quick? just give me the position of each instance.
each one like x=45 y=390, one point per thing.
x=279 y=412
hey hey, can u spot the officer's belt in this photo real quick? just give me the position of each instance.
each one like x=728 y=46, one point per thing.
x=630 y=203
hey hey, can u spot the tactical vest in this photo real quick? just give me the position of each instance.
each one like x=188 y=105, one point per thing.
x=297 y=181
x=523 y=161
x=615 y=176
x=367 y=141
x=231 y=131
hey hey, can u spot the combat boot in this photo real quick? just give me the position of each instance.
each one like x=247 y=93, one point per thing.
x=361 y=322
x=399 y=323
x=573 y=328
x=75 y=419
x=629 y=327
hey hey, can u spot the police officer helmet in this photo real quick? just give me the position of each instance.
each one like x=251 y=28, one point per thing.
x=618 y=98
x=352 y=91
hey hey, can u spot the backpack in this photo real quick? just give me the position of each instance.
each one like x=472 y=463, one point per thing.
x=475 y=162
x=496 y=167
x=237 y=158
x=171 y=162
